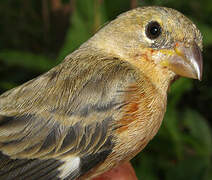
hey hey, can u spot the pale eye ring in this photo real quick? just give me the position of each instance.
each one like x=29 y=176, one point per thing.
x=153 y=30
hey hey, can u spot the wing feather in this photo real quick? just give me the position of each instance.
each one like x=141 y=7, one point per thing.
x=68 y=112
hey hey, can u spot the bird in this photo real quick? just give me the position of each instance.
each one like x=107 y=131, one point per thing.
x=103 y=103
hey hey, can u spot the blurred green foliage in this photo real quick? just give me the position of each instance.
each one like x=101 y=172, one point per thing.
x=36 y=35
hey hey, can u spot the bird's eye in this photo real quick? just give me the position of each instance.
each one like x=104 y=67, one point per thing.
x=153 y=30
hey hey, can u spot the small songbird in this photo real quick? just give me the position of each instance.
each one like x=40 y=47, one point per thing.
x=103 y=103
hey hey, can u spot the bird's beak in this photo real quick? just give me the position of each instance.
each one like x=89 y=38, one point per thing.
x=186 y=61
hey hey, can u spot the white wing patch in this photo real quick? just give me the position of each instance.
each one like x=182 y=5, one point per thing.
x=69 y=166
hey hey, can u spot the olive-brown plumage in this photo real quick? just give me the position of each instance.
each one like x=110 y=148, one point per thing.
x=103 y=103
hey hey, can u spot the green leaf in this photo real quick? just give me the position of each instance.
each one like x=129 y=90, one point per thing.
x=178 y=88
x=7 y=85
x=206 y=33
x=189 y=168
x=144 y=165
x=26 y=59
x=208 y=175
x=84 y=21
x=171 y=123
x=200 y=131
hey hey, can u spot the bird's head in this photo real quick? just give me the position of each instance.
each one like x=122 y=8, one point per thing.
x=159 y=35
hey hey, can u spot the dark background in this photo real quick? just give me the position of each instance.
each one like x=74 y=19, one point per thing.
x=35 y=35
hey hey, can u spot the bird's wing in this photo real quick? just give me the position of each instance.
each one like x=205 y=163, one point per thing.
x=60 y=124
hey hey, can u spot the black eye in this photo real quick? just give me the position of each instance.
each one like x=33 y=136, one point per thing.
x=153 y=30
